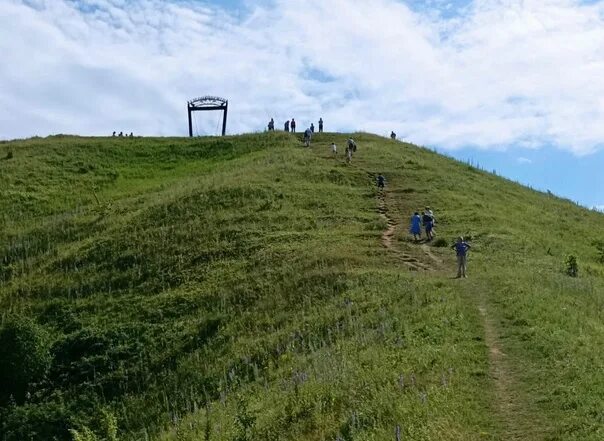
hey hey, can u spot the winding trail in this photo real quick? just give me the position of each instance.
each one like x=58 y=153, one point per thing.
x=499 y=373
x=437 y=261
x=389 y=234
x=515 y=420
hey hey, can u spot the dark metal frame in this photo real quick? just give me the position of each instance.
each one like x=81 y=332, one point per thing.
x=206 y=103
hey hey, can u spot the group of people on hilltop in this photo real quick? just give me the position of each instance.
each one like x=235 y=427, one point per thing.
x=121 y=134
x=290 y=126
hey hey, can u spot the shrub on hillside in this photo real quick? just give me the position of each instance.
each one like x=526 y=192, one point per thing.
x=25 y=355
x=441 y=242
x=572 y=267
x=36 y=421
x=108 y=429
x=599 y=244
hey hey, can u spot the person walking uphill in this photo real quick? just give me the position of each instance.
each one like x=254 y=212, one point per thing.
x=352 y=146
x=428 y=221
x=381 y=181
x=461 y=248
x=416 y=226
x=307 y=137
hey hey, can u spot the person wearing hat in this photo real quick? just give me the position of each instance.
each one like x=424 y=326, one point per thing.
x=428 y=221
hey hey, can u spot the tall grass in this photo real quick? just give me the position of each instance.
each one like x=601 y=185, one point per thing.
x=236 y=288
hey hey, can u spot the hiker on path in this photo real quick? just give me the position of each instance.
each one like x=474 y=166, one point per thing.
x=381 y=182
x=271 y=125
x=392 y=135
x=428 y=221
x=312 y=127
x=334 y=148
x=307 y=136
x=461 y=248
x=320 y=125
x=352 y=146
x=293 y=125
x=348 y=154
x=416 y=226
x=286 y=126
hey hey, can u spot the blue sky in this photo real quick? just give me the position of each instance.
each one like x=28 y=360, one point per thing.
x=576 y=178
x=514 y=85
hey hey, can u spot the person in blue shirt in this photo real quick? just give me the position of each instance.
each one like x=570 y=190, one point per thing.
x=416 y=226
x=428 y=221
x=461 y=248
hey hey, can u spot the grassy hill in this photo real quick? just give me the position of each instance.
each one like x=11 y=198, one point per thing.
x=246 y=288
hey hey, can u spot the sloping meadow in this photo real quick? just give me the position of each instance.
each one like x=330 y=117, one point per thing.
x=237 y=288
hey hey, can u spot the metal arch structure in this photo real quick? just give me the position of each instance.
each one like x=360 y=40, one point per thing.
x=206 y=103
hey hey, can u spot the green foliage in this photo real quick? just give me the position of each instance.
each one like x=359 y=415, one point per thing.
x=85 y=434
x=238 y=288
x=440 y=242
x=244 y=420
x=25 y=355
x=599 y=245
x=108 y=429
x=572 y=267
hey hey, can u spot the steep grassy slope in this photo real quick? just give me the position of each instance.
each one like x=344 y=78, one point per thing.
x=238 y=288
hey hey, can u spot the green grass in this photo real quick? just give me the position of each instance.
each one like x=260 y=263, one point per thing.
x=236 y=288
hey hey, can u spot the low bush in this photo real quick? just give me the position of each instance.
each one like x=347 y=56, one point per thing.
x=572 y=267
x=441 y=242
x=25 y=355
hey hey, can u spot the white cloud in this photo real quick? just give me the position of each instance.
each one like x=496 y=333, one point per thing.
x=523 y=160
x=527 y=73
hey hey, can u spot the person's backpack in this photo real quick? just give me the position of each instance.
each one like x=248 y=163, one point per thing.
x=427 y=218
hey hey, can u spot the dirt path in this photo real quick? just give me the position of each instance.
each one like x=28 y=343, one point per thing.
x=437 y=261
x=517 y=422
x=388 y=241
x=388 y=237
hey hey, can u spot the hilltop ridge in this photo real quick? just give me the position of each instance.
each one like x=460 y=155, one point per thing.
x=248 y=288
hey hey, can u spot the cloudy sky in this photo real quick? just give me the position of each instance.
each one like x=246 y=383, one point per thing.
x=514 y=85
